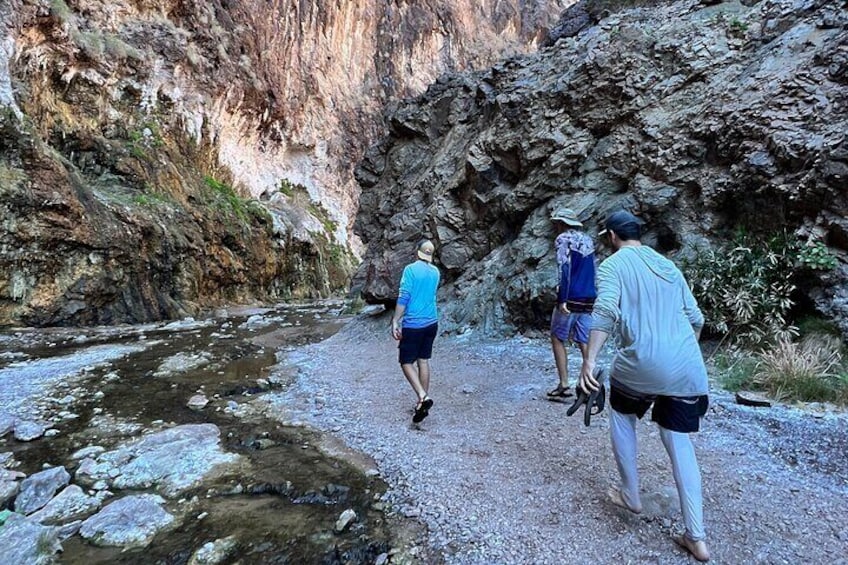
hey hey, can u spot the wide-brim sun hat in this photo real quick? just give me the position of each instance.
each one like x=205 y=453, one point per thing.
x=425 y=251
x=566 y=216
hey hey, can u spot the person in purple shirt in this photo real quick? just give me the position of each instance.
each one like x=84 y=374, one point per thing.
x=572 y=316
x=416 y=322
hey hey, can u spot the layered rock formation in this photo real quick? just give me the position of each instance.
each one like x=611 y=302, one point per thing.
x=701 y=116
x=158 y=157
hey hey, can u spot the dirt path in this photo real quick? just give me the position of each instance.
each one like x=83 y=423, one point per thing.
x=499 y=475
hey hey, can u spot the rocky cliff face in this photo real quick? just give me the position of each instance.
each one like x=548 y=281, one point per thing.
x=160 y=156
x=702 y=118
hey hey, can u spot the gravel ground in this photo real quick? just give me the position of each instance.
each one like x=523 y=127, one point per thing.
x=499 y=474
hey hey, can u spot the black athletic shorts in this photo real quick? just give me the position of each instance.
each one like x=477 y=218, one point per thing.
x=416 y=343
x=676 y=413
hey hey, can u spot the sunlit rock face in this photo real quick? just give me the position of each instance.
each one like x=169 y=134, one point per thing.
x=703 y=117
x=161 y=156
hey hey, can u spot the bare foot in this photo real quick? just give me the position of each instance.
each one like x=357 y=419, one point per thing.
x=616 y=498
x=698 y=549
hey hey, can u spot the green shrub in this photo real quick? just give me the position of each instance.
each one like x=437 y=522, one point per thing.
x=323 y=216
x=242 y=208
x=735 y=369
x=745 y=287
x=60 y=10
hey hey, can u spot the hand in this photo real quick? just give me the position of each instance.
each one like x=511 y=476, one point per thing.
x=564 y=309
x=587 y=379
x=396 y=331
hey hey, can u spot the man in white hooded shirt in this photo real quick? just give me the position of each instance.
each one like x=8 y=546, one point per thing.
x=645 y=299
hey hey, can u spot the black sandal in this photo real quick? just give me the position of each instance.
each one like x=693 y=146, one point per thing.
x=560 y=392
x=594 y=401
x=422 y=410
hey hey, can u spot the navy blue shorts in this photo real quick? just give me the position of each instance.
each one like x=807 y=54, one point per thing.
x=416 y=343
x=676 y=413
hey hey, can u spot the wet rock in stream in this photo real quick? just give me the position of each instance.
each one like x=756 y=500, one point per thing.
x=172 y=460
x=132 y=521
x=38 y=490
x=182 y=363
x=72 y=503
x=8 y=490
x=7 y=423
x=214 y=552
x=26 y=541
x=28 y=431
x=197 y=402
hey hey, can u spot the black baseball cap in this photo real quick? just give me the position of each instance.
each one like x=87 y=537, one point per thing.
x=621 y=221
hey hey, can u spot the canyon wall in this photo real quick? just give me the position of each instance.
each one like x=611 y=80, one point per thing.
x=703 y=117
x=162 y=156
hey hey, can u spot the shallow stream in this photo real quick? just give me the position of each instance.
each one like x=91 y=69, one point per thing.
x=283 y=502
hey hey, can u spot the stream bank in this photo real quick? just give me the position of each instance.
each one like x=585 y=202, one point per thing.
x=158 y=417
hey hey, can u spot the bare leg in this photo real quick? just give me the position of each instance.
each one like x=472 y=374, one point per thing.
x=412 y=376
x=623 y=434
x=561 y=359
x=424 y=375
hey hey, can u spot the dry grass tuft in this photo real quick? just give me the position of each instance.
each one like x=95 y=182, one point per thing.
x=810 y=370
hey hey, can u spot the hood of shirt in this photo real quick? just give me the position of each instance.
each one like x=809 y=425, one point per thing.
x=658 y=264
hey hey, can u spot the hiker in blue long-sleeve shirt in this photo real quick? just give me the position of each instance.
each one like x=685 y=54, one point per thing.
x=572 y=316
x=416 y=322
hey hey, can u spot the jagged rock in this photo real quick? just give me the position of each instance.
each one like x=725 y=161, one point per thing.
x=38 y=489
x=7 y=423
x=7 y=459
x=23 y=541
x=28 y=431
x=132 y=521
x=648 y=110
x=574 y=20
x=345 y=520
x=172 y=460
x=274 y=224
x=748 y=398
x=214 y=552
x=68 y=530
x=8 y=490
x=70 y=504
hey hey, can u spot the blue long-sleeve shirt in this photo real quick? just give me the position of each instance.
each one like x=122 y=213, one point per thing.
x=576 y=258
x=417 y=294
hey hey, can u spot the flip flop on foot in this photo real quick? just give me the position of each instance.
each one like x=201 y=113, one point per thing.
x=615 y=496
x=422 y=410
x=560 y=392
x=698 y=549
